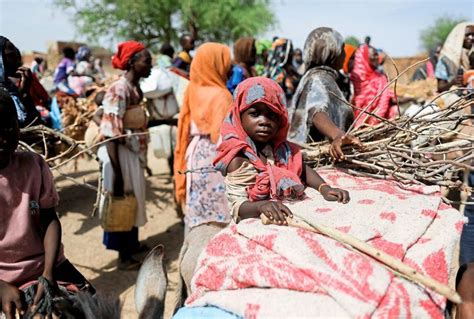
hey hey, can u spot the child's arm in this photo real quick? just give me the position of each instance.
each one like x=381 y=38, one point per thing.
x=274 y=210
x=315 y=181
x=51 y=232
x=10 y=299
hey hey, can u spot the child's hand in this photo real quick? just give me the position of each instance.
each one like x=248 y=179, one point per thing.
x=276 y=212
x=335 y=194
x=40 y=290
x=11 y=300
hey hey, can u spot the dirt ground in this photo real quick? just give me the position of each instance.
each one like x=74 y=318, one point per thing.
x=82 y=234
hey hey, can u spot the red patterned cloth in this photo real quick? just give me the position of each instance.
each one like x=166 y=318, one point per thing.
x=38 y=93
x=368 y=83
x=278 y=181
x=125 y=51
x=259 y=271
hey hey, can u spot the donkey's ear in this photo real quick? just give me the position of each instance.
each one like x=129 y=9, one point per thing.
x=151 y=285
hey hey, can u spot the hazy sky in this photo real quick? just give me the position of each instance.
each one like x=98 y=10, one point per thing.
x=394 y=25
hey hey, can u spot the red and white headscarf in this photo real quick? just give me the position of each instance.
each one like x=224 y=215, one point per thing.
x=278 y=181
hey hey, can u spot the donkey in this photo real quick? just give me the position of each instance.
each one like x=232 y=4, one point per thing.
x=150 y=291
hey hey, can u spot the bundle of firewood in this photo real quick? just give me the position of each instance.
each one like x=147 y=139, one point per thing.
x=431 y=146
x=76 y=114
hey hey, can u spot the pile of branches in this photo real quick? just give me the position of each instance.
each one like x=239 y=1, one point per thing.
x=432 y=146
x=58 y=149
x=77 y=113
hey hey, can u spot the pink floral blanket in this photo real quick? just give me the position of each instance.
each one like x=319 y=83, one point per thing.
x=312 y=275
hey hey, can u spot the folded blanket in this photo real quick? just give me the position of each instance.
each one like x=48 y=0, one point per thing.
x=408 y=222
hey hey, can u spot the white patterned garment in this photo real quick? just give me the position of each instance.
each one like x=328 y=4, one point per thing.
x=408 y=222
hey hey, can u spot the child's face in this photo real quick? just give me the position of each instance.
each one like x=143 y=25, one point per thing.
x=9 y=135
x=260 y=123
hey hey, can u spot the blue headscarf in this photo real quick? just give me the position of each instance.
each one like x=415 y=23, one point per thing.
x=83 y=53
x=7 y=85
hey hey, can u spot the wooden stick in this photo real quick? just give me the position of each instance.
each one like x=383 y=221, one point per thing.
x=396 y=266
x=351 y=127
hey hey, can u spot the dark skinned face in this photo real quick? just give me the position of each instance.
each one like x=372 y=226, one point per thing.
x=437 y=52
x=468 y=38
x=298 y=56
x=11 y=59
x=373 y=58
x=9 y=134
x=142 y=66
x=188 y=44
x=254 y=56
x=339 y=62
x=260 y=123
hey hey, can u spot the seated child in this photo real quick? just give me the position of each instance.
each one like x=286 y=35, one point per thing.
x=260 y=165
x=262 y=168
x=30 y=232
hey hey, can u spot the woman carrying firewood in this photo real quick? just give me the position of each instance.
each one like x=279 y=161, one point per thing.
x=319 y=109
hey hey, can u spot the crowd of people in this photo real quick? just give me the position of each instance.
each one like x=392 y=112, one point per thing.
x=235 y=156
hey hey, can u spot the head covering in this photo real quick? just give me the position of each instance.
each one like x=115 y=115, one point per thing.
x=83 y=53
x=453 y=53
x=244 y=50
x=206 y=102
x=262 y=46
x=125 y=51
x=278 y=57
x=7 y=85
x=349 y=49
x=278 y=181
x=367 y=85
x=322 y=47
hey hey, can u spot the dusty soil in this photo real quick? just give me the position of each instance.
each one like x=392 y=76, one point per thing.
x=82 y=234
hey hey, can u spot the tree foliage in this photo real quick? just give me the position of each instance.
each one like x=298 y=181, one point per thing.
x=438 y=31
x=353 y=40
x=154 y=21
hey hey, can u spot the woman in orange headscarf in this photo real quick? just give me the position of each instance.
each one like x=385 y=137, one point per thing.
x=206 y=102
x=343 y=80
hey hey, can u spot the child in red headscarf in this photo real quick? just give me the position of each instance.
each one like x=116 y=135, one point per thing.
x=261 y=166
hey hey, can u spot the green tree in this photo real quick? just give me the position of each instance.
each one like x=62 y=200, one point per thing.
x=353 y=40
x=154 y=21
x=438 y=31
x=225 y=20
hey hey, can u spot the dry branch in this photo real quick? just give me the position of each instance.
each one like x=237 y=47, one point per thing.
x=430 y=147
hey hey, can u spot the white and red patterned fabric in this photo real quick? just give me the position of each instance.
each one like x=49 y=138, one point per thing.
x=313 y=275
